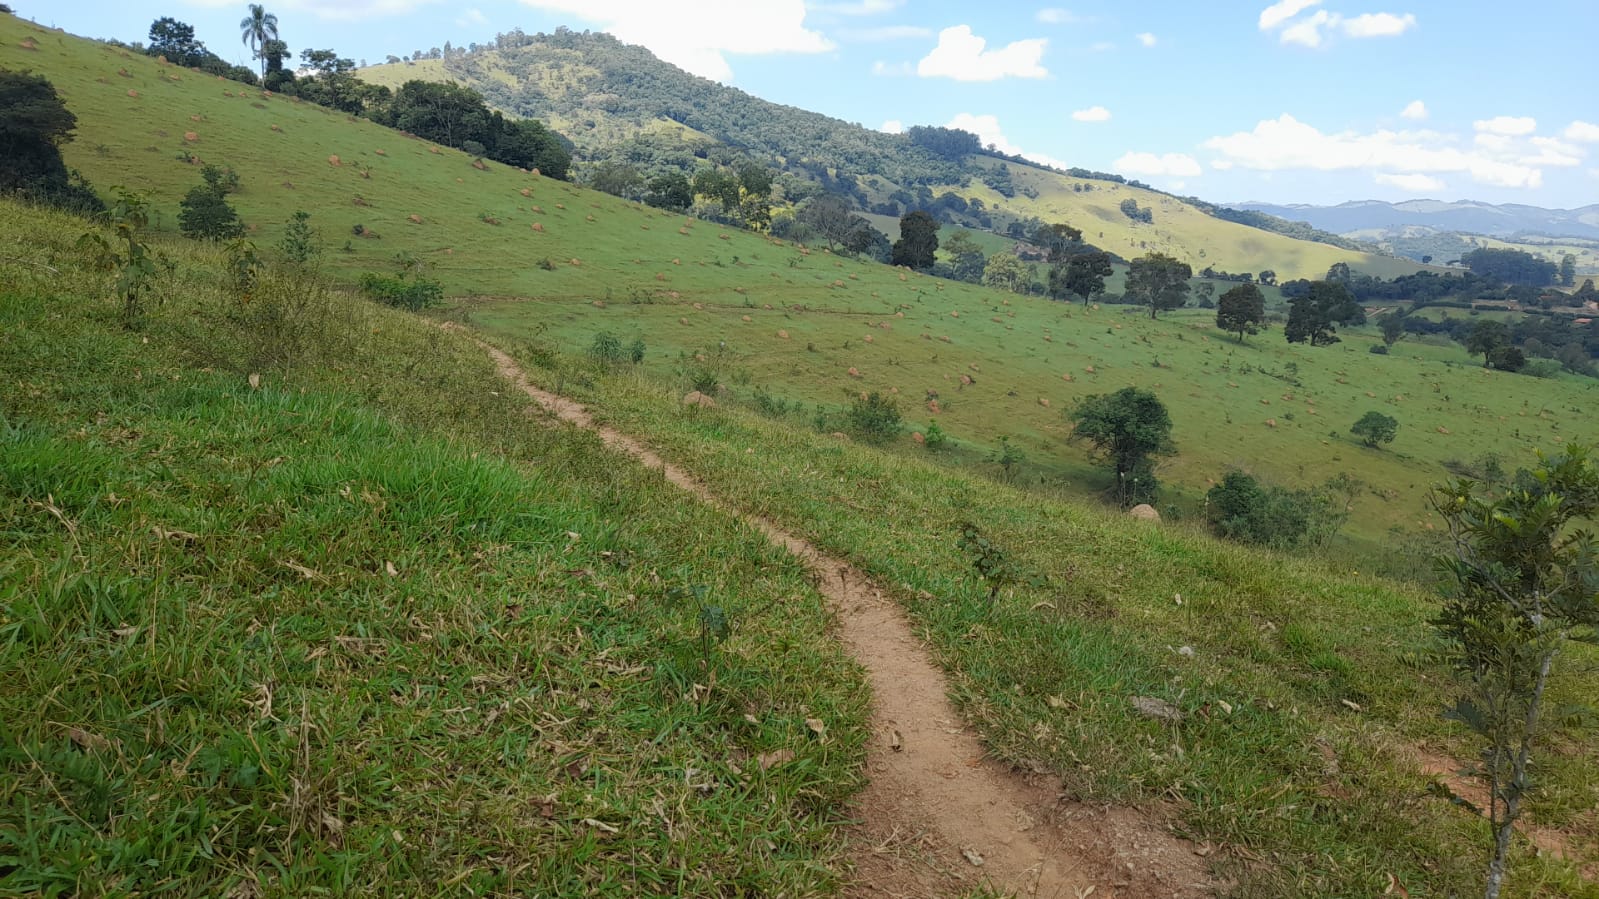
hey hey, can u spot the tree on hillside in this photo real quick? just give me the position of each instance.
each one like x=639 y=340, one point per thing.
x=1340 y=273
x=256 y=29
x=1523 y=584
x=204 y=214
x=175 y=41
x=34 y=124
x=1486 y=336
x=1510 y=266
x=1241 y=310
x=830 y=216
x=617 y=179
x=1159 y=282
x=1268 y=278
x=1393 y=328
x=918 y=241
x=1375 y=429
x=1059 y=241
x=1314 y=317
x=1568 y=270
x=1004 y=271
x=1507 y=358
x=966 y=257
x=670 y=190
x=1082 y=275
x=1126 y=428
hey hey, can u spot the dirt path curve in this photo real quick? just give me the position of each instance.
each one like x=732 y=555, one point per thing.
x=938 y=816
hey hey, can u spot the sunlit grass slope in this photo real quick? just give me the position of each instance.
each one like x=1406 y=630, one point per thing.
x=1009 y=365
x=371 y=628
x=1306 y=691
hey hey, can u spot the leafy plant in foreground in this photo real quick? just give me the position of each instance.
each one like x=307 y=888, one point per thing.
x=989 y=559
x=132 y=261
x=1524 y=582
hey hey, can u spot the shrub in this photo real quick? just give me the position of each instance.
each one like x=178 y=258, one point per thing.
x=204 y=214
x=607 y=349
x=705 y=379
x=300 y=244
x=935 y=439
x=1378 y=349
x=772 y=406
x=401 y=291
x=874 y=418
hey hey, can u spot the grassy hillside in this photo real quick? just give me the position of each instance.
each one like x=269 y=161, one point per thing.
x=603 y=264
x=600 y=93
x=1310 y=693
x=371 y=628
x=298 y=597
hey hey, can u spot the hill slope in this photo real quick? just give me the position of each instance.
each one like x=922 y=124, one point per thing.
x=1507 y=220
x=602 y=93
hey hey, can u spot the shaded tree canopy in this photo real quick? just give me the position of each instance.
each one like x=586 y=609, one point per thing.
x=1314 y=317
x=1510 y=266
x=1126 y=428
x=34 y=124
x=1241 y=310
x=1159 y=282
x=918 y=241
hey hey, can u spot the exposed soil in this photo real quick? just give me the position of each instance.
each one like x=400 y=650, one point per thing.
x=938 y=816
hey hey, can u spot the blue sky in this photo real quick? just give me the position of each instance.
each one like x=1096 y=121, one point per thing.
x=1294 y=101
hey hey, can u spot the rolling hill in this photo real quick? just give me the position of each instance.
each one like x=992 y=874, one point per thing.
x=529 y=255
x=363 y=619
x=1506 y=220
x=604 y=94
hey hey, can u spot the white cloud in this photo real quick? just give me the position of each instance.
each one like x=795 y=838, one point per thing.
x=1283 y=10
x=1054 y=15
x=1416 y=111
x=1313 y=29
x=1221 y=165
x=471 y=18
x=963 y=56
x=1147 y=39
x=1285 y=144
x=1382 y=24
x=1553 y=152
x=892 y=69
x=1171 y=165
x=1582 y=132
x=1510 y=126
x=1413 y=183
x=885 y=33
x=987 y=129
x=1092 y=114
x=698 y=43
x=892 y=126
x=1307 y=31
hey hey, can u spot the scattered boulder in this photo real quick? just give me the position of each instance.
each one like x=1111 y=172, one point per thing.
x=695 y=398
x=1144 y=512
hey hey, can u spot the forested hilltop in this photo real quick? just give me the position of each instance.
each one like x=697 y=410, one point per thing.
x=632 y=117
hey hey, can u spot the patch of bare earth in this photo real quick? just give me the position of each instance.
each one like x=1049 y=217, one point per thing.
x=1457 y=777
x=938 y=816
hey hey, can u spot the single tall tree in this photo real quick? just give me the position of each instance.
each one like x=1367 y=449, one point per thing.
x=1159 y=282
x=1241 y=310
x=256 y=29
x=1126 y=428
x=1315 y=316
x=918 y=240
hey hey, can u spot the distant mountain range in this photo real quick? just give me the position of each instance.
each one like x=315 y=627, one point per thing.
x=1508 y=220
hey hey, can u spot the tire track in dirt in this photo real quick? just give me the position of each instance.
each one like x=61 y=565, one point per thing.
x=938 y=817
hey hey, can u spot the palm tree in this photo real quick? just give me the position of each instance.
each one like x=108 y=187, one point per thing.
x=257 y=28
